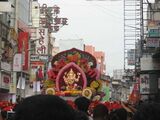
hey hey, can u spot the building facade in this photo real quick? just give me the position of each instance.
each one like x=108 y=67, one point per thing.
x=100 y=57
x=150 y=60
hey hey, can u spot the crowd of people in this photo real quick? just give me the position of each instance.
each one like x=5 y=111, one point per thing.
x=50 y=107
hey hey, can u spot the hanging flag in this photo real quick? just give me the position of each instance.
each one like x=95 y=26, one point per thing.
x=135 y=94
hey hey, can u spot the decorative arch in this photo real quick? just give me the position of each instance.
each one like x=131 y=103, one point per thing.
x=64 y=55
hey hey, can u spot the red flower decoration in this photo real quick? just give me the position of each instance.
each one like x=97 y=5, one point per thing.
x=92 y=73
x=71 y=103
x=92 y=105
x=52 y=74
x=73 y=58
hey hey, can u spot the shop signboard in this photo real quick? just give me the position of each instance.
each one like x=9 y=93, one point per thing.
x=154 y=32
x=148 y=63
x=5 y=66
x=35 y=57
x=153 y=28
x=5 y=81
x=153 y=24
x=131 y=57
x=153 y=42
x=5 y=6
x=144 y=84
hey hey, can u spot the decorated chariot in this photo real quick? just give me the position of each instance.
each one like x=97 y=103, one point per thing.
x=73 y=73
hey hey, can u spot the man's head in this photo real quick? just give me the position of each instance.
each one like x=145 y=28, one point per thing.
x=148 y=111
x=44 y=107
x=82 y=104
x=100 y=112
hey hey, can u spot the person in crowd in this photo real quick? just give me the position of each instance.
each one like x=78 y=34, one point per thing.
x=44 y=107
x=39 y=74
x=3 y=115
x=118 y=114
x=100 y=112
x=82 y=104
x=147 y=111
x=81 y=116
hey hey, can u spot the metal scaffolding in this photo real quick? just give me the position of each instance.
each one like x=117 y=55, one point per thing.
x=134 y=32
x=132 y=20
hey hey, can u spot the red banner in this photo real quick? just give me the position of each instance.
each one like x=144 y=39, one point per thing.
x=23 y=44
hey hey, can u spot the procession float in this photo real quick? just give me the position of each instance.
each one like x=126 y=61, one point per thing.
x=73 y=73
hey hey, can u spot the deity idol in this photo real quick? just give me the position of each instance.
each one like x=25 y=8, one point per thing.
x=71 y=80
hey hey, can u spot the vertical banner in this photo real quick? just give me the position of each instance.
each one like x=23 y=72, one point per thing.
x=12 y=88
x=42 y=43
x=23 y=44
x=17 y=62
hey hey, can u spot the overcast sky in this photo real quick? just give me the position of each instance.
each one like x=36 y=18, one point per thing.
x=98 y=23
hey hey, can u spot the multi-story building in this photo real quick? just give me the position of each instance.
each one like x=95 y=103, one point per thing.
x=100 y=57
x=121 y=85
x=14 y=25
x=150 y=60
x=26 y=42
x=6 y=51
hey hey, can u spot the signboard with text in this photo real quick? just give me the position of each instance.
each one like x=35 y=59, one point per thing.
x=49 y=18
x=144 y=84
x=42 y=43
x=154 y=32
x=152 y=42
x=131 y=57
x=5 y=81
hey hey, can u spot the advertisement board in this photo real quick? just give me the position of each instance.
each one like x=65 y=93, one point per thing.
x=34 y=68
x=148 y=63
